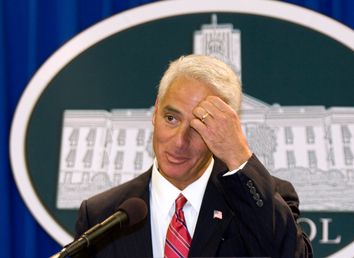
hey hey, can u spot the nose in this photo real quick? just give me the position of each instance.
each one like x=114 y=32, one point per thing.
x=182 y=137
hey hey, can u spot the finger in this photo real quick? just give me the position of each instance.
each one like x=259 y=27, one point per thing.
x=224 y=110
x=201 y=113
x=218 y=103
x=210 y=108
x=199 y=126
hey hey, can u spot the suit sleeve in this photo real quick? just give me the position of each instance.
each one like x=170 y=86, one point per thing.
x=82 y=222
x=82 y=225
x=267 y=208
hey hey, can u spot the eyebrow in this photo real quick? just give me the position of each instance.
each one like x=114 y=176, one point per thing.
x=169 y=108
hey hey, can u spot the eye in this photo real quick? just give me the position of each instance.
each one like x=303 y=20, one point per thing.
x=170 y=119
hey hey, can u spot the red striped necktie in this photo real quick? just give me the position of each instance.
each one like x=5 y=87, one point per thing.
x=178 y=240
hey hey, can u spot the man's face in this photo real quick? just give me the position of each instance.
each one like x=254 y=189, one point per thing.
x=181 y=153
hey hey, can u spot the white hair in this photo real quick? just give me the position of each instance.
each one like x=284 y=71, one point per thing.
x=209 y=70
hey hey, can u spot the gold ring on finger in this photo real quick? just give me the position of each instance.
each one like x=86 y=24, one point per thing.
x=204 y=116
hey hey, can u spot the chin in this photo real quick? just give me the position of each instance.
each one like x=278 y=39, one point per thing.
x=173 y=171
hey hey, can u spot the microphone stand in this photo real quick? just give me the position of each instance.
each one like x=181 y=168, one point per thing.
x=132 y=211
x=92 y=234
x=72 y=248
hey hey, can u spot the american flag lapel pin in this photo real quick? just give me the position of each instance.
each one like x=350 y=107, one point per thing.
x=217 y=214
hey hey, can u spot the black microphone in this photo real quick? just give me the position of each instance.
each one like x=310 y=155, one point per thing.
x=130 y=212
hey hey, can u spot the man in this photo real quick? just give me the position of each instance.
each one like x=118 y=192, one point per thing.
x=231 y=205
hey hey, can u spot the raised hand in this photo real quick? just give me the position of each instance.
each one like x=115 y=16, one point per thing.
x=220 y=127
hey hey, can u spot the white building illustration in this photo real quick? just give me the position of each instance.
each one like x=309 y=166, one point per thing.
x=311 y=146
x=100 y=149
x=221 y=41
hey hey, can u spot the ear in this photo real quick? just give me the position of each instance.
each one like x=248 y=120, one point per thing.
x=154 y=114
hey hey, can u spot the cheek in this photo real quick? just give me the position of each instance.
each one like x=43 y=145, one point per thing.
x=199 y=146
x=162 y=132
x=159 y=138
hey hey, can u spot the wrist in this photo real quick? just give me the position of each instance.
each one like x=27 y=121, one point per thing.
x=238 y=161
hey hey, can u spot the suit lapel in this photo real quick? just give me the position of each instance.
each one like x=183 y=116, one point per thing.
x=209 y=229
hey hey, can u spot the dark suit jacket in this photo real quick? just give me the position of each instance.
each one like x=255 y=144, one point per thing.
x=259 y=215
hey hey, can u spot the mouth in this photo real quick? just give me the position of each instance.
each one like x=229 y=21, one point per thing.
x=175 y=159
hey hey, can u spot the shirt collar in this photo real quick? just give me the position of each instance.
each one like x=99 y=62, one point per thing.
x=165 y=193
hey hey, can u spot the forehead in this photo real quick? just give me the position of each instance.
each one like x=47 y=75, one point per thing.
x=188 y=89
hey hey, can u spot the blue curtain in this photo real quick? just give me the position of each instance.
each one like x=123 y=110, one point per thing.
x=30 y=31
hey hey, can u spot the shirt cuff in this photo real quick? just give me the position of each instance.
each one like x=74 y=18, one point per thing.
x=232 y=172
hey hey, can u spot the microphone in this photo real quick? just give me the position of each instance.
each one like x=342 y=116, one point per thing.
x=130 y=212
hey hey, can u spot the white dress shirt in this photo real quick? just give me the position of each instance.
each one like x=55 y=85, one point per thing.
x=162 y=204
